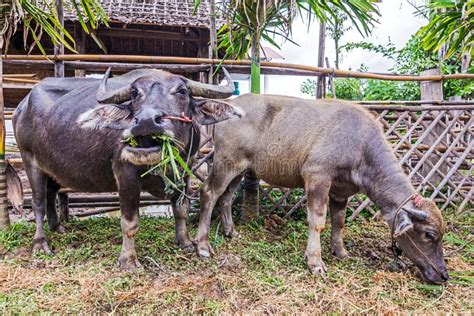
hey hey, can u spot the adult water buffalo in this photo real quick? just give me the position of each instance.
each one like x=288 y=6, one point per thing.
x=334 y=150
x=70 y=133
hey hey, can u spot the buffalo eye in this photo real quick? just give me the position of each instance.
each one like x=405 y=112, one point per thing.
x=430 y=236
x=134 y=94
x=182 y=91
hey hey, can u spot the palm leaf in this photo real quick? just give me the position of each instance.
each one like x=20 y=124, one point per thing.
x=40 y=16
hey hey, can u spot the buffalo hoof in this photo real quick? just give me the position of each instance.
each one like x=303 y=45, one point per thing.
x=129 y=264
x=318 y=269
x=60 y=229
x=204 y=250
x=233 y=234
x=40 y=246
x=340 y=253
x=187 y=246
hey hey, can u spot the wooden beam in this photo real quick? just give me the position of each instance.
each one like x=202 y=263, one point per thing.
x=320 y=83
x=147 y=34
x=125 y=67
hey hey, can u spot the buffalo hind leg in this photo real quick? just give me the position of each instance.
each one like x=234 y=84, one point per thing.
x=225 y=207
x=317 y=192
x=38 y=180
x=215 y=185
x=337 y=209
x=180 y=211
x=51 y=213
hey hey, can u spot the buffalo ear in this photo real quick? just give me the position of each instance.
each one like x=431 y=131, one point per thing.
x=402 y=224
x=206 y=111
x=106 y=116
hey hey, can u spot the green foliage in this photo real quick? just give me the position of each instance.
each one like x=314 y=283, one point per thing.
x=251 y=19
x=451 y=24
x=40 y=17
x=308 y=87
x=345 y=88
x=335 y=29
x=170 y=160
x=391 y=90
x=411 y=59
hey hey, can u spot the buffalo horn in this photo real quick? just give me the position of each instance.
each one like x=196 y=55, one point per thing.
x=205 y=90
x=419 y=215
x=116 y=96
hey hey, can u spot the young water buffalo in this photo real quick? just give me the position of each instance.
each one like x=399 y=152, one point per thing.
x=70 y=133
x=334 y=150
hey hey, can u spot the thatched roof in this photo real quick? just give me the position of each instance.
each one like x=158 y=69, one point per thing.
x=161 y=12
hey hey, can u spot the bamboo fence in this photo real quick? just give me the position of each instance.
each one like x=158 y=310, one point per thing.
x=441 y=169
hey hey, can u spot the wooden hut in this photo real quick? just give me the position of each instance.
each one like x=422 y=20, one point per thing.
x=136 y=27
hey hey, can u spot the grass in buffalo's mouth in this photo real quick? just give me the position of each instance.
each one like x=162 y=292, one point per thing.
x=170 y=163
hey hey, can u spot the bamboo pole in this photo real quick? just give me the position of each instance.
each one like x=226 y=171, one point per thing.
x=21 y=80
x=192 y=60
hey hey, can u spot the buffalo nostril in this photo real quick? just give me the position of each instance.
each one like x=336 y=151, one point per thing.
x=158 y=119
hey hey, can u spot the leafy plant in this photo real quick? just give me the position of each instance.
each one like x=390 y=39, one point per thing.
x=169 y=162
x=411 y=59
x=451 y=24
x=251 y=21
x=40 y=17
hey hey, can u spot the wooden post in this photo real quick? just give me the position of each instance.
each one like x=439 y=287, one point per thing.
x=331 y=80
x=213 y=37
x=432 y=90
x=322 y=46
x=4 y=216
x=59 y=49
x=80 y=39
x=59 y=72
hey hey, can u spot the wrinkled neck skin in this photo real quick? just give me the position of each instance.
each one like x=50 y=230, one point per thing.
x=194 y=138
x=388 y=188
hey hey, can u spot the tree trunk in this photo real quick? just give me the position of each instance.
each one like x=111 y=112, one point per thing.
x=4 y=217
x=255 y=67
x=59 y=49
x=251 y=201
x=433 y=90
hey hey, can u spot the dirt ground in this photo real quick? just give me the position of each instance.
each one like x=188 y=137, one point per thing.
x=263 y=272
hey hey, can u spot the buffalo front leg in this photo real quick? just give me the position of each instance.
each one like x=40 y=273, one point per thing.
x=215 y=185
x=180 y=212
x=317 y=191
x=337 y=209
x=129 y=196
x=38 y=180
